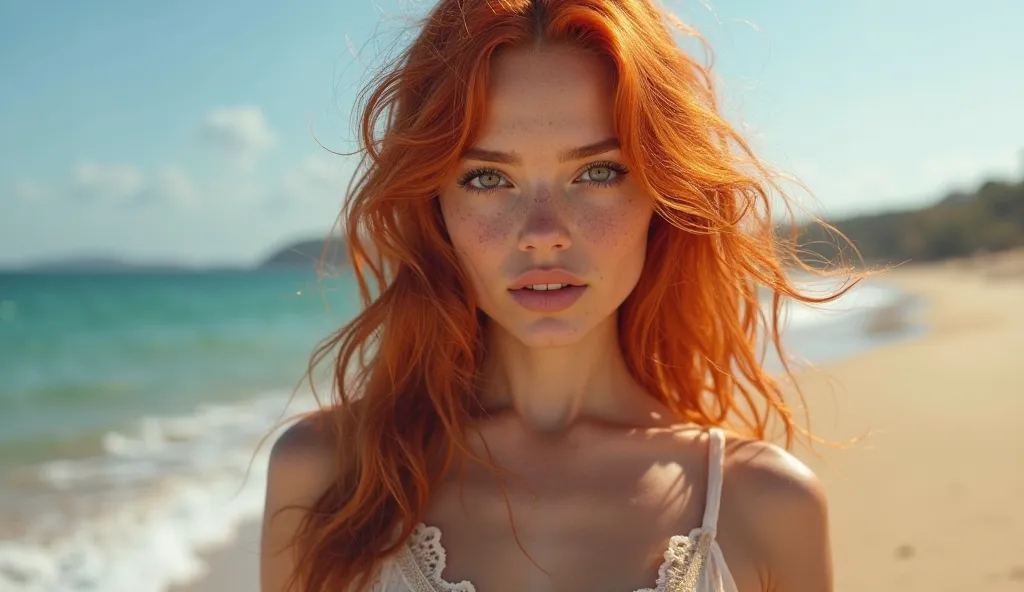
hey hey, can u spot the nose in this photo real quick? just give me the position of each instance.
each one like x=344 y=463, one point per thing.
x=544 y=230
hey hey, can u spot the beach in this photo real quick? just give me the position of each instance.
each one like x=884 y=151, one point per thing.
x=920 y=365
x=931 y=495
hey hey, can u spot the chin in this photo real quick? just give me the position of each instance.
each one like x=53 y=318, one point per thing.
x=548 y=332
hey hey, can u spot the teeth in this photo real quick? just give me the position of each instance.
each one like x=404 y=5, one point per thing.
x=542 y=287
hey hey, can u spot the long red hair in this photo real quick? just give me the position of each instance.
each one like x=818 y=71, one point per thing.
x=406 y=367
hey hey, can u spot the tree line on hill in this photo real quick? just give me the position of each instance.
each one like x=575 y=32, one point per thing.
x=990 y=219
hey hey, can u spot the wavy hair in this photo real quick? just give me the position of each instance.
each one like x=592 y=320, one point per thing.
x=406 y=367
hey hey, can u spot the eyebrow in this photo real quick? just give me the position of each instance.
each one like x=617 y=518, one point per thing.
x=581 y=152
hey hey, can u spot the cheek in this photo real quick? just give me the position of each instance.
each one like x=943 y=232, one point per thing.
x=619 y=226
x=478 y=234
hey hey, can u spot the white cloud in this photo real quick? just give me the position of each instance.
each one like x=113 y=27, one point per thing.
x=29 y=191
x=124 y=184
x=171 y=184
x=241 y=134
x=318 y=178
x=112 y=182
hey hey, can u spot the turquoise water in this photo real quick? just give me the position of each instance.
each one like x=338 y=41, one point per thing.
x=130 y=410
x=131 y=406
x=82 y=353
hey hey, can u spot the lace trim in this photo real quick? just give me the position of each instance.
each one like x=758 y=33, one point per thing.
x=423 y=560
x=684 y=563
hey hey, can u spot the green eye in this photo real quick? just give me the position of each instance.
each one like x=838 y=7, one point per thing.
x=604 y=174
x=600 y=174
x=483 y=180
x=489 y=180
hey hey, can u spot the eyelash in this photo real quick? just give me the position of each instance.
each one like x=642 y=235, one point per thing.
x=620 y=173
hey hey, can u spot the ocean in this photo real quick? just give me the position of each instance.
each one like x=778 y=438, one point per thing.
x=131 y=406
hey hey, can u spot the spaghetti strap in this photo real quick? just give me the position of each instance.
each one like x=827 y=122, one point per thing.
x=716 y=458
x=693 y=562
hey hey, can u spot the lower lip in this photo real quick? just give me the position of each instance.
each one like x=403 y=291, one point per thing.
x=548 y=300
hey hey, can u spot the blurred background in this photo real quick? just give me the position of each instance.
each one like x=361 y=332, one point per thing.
x=164 y=196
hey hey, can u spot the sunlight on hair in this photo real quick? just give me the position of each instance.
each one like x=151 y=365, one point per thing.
x=693 y=331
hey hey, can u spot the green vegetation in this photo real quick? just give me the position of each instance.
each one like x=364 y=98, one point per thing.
x=988 y=220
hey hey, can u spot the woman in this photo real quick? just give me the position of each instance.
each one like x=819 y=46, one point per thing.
x=568 y=242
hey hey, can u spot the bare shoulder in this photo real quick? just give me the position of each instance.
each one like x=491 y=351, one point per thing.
x=303 y=460
x=304 y=463
x=762 y=473
x=757 y=473
x=778 y=507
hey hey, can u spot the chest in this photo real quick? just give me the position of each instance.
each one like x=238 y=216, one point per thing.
x=585 y=522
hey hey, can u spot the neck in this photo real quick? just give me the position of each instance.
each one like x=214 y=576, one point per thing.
x=551 y=388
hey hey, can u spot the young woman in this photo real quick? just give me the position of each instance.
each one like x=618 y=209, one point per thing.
x=555 y=383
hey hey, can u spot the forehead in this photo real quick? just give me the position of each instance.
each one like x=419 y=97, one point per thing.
x=558 y=93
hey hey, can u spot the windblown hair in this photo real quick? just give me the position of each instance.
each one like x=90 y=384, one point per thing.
x=407 y=367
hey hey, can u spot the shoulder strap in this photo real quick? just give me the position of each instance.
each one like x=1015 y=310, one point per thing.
x=716 y=458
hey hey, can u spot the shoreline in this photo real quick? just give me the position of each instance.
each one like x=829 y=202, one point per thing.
x=912 y=508
x=231 y=568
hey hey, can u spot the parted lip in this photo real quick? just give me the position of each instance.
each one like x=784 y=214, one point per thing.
x=546 y=276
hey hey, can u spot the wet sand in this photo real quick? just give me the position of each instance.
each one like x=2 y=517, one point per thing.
x=932 y=497
x=232 y=569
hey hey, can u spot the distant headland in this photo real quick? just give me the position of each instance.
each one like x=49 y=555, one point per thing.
x=308 y=253
x=302 y=254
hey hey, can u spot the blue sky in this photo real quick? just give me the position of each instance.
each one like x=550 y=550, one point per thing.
x=185 y=130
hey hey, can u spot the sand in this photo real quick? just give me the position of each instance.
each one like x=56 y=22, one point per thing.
x=233 y=569
x=932 y=497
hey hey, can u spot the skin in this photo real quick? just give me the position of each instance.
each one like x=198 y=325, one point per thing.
x=604 y=477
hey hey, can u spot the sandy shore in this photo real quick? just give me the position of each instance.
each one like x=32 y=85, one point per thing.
x=932 y=498
x=234 y=569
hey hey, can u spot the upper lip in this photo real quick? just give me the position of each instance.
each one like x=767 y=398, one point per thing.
x=546 y=276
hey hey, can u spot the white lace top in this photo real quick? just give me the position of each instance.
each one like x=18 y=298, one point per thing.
x=693 y=563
